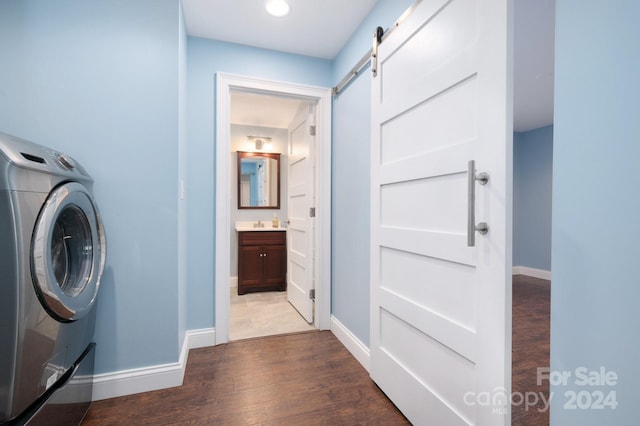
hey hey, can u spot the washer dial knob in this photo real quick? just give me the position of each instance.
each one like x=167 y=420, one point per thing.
x=65 y=161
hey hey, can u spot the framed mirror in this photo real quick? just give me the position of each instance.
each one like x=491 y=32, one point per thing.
x=258 y=180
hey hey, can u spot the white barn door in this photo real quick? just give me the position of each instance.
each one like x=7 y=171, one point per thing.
x=441 y=310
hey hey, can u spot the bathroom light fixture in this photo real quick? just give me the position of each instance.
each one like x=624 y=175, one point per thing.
x=260 y=143
x=277 y=7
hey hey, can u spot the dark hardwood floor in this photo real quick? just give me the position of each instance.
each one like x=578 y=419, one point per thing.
x=311 y=379
x=530 y=350
x=296 y=379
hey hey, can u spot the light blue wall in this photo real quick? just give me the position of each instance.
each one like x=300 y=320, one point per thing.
x=595 y=293
x=351 y=209
x=532 y=174
x=206 y=58
x=99 y=80
x=350 y=180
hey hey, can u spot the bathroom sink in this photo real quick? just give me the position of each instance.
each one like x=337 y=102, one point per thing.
x=250 y=226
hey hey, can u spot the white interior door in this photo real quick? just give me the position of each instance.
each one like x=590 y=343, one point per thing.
x=300 y=232
x=440 y=310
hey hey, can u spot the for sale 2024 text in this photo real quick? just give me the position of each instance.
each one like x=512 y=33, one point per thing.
x=596 y=388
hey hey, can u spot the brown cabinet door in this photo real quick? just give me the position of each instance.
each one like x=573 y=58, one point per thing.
x=249 y=267
x=274 y=266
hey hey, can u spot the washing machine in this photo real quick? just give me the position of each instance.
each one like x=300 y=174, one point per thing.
x=52 y=255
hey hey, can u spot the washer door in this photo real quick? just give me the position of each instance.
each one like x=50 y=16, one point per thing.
x=68 y=252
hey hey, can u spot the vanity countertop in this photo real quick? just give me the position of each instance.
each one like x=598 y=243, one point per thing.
x=249 y=226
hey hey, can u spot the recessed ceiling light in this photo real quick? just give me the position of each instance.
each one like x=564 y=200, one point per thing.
x=277 y=7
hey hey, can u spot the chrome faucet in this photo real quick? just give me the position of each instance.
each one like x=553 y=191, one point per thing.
x=258 y=224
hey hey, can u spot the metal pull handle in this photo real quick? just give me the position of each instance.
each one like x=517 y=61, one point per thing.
x=481 y=227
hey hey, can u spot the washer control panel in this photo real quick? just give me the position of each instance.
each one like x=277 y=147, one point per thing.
x=19 y=156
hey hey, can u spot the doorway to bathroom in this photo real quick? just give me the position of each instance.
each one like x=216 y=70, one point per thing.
x=293 y=122
x=272 y=246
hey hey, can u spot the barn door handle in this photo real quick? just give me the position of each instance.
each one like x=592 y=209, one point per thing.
x=472 y=227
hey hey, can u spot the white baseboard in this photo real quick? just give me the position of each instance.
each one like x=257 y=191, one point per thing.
x=532 y=272
x=354 y=345
x=233 y=282
x=146 y=379
x=201 y=338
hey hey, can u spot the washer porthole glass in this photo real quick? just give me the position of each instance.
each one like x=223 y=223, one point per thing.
x=72 y=250
x=68 y=252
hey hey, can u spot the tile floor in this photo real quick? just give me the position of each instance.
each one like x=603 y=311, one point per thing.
x=263 y=314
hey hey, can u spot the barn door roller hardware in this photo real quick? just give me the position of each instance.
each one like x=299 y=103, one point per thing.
x=377 y=39
x=379 y=35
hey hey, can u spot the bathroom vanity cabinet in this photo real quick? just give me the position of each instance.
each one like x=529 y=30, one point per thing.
x=262 y=261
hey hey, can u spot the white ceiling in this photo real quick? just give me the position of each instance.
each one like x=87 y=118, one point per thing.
x=320 y=28
x=534 y=37
x=253 y=109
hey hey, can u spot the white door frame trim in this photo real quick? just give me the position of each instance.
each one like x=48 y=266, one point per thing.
x=322 y=262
